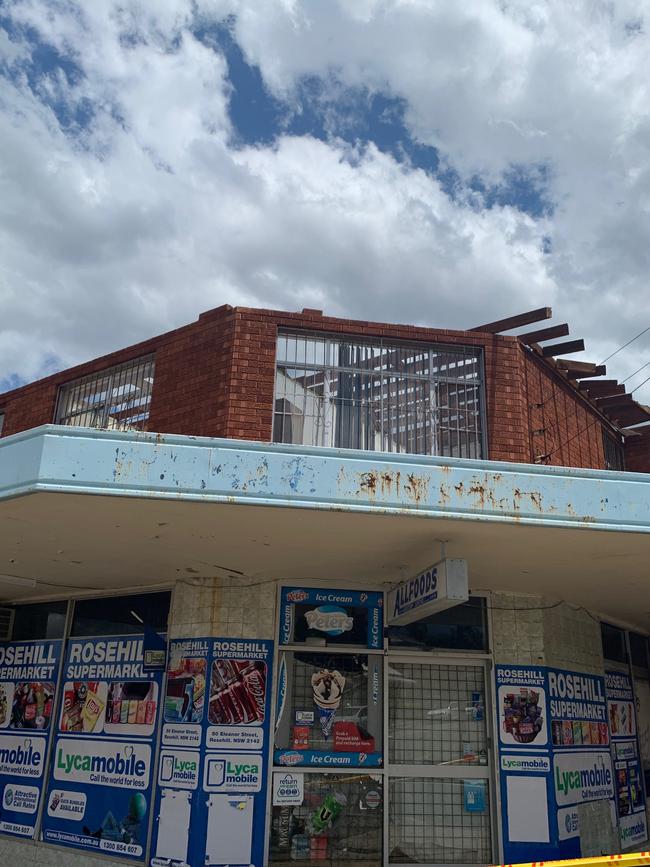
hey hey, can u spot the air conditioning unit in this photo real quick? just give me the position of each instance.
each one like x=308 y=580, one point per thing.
x=6 y=623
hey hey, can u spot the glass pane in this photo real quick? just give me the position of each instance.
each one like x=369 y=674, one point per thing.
x=462 y=627
x=639 y=649
x=332 y=706
x=613 y=643
x=42 y=620
x=436 y=714
x=340 y=820
x=437 y=821
x=121 y=615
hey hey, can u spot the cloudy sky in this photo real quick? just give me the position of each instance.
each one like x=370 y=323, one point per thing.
x=439 y=163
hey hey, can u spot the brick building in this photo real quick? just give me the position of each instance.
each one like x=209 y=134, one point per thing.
x=416 y=552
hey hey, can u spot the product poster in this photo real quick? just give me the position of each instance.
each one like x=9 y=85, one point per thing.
x=630 y=799
x=211 y=800
x=332 y=617
x=100 y=785
x=553 y=754
x=29 y=672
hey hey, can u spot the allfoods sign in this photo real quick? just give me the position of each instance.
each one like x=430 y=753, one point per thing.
x=581 y=777
x=103 y=763
x=441 y=586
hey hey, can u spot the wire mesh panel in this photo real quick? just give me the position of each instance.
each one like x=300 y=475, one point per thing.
x=117 y=398
x=438 y=821
x=340 y=820
x=436 y=714
x=378 y=396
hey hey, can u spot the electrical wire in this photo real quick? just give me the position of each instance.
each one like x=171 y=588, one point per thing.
x=643 y=366
x=620 y=348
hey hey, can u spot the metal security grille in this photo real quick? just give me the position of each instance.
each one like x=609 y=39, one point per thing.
x=114 y=399
x=436 y=715
x=429 y=822
x=614 y=459
x=379 y=396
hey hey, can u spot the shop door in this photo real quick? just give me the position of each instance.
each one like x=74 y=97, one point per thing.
x=437 y=763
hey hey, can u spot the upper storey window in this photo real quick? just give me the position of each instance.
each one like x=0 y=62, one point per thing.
x=2 y=421
x=117 y=398
x=379 y=395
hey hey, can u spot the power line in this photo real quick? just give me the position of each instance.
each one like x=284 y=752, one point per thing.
x=640 y=334
x=640 y=384
x=635 y=372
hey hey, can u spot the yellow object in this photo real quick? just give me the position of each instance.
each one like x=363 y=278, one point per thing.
x=633 y=859
x=90 y=712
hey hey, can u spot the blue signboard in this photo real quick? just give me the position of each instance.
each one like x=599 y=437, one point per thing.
x=346 y=617
x=553 y=755
x=100 y=784
x=630 y=795
x=29 y=672
x=212 y=769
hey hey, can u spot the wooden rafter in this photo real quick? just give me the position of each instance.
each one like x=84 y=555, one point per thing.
x=568 y=346
x=542 y=334
x=518 y=321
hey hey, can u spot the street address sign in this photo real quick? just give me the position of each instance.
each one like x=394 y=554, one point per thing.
x=441 y=586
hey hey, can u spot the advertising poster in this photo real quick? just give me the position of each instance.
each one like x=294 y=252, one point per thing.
x=630 y=798
x=29 y=672
x=554 y=754
x=332 y=617
x=100 y=785
x=211 y=801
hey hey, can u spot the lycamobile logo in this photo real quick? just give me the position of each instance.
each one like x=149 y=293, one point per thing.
x=633 y=831
x=114 y=764
x=588 y=778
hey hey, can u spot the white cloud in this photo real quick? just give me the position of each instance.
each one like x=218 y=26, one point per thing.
x=135 y=224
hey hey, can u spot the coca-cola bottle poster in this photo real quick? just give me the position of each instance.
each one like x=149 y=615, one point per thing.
x=214 y=753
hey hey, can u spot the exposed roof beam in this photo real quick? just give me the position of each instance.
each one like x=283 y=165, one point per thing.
x=615 y=400
x=581 y=368
x=567 y=346
x=515 y=321
x=544 y=334
x=603 y=388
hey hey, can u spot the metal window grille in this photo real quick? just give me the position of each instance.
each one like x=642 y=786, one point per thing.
x=614 y=459
x=114 y=399
x=2 y=422
x=379 y=396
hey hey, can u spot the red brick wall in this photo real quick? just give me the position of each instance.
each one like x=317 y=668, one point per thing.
x=637 y=453
x=215 y=377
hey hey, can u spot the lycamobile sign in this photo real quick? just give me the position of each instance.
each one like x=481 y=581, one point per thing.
x=582 y=777
x=21 y=756
x=102 y=763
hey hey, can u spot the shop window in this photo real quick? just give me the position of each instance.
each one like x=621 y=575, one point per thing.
x=117 y=398
x=613 y=639
x=463 y=627
x=39 y=621
x=329 y=709
x=121 y=615
x=439 y=821
x=378 y=395
x=639 y=651
x=339 y=820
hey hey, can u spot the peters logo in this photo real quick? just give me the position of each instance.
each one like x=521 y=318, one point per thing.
x=297 y=596
x=290 y=758
x=329 y=619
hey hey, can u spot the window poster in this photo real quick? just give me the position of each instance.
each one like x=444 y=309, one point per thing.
x=211 y=798
x=100 y=783
x=630 y=798
x=554 y=746
x=29 y=672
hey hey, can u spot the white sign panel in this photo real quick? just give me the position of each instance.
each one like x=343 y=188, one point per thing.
x=581 y=777
x=233 y=773
x=441 y=586
x=102 y=763
x=288 y=789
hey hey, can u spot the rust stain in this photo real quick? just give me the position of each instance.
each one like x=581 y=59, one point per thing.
x=459 y=488
x=479 y=492
x=368 y=482
x=444 y=494
x=417 y=487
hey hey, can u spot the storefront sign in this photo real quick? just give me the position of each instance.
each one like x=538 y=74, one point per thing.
x=334 y=616
x=101 y=772
x=29 y=672
x=630 y=798
x=211 y=798
x=554 y=755
x=441 y=586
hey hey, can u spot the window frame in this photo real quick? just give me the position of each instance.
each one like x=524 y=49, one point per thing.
x=378 y=341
